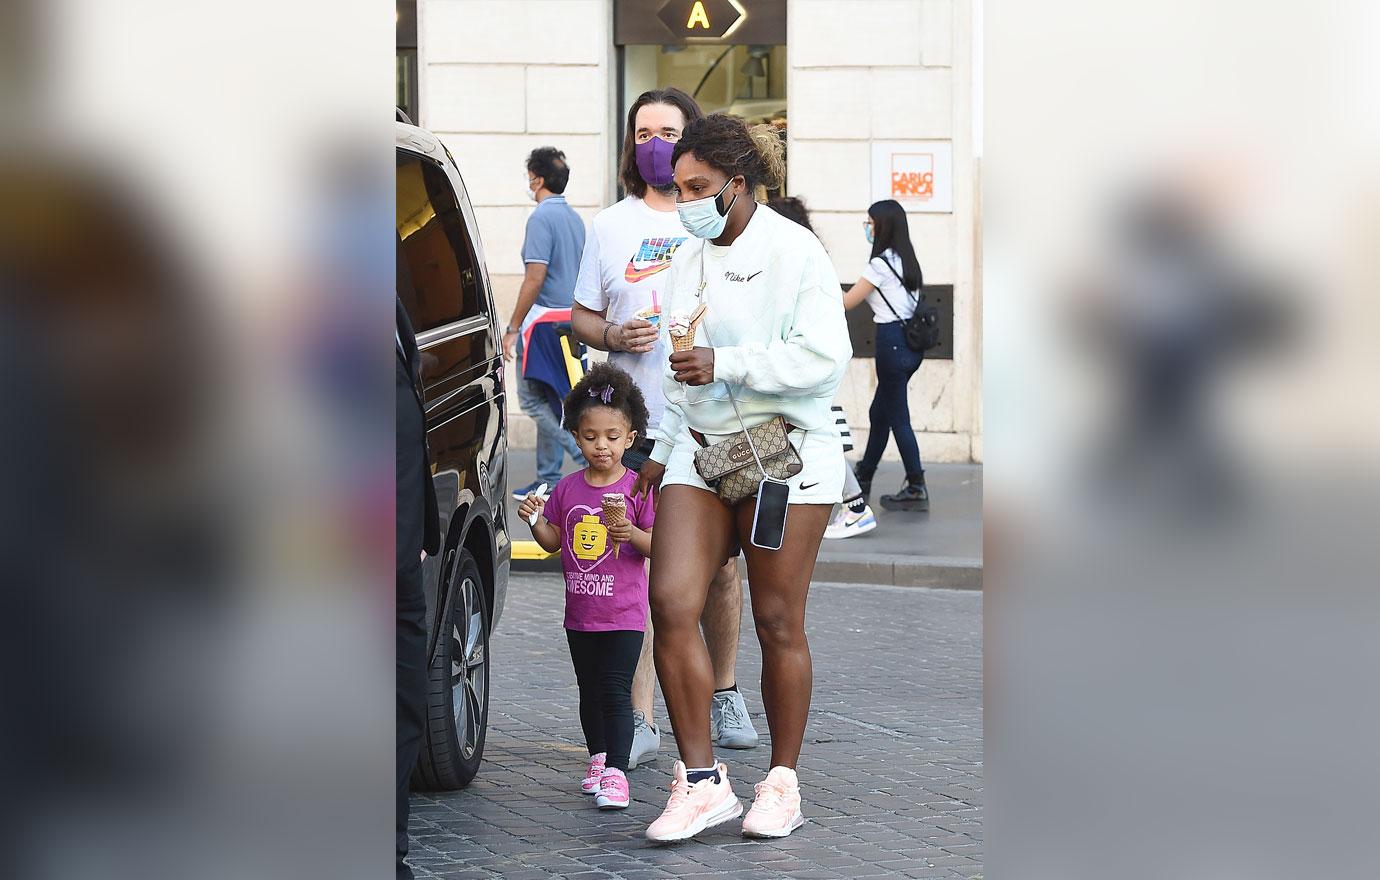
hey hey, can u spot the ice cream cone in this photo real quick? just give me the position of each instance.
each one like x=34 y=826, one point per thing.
x=615 y=512
x=683 y=329
x=683 y=343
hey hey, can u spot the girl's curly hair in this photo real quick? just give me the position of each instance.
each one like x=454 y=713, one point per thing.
x=606 y=385
x=728 y=144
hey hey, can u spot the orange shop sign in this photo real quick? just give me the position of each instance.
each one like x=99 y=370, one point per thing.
x=918 y=174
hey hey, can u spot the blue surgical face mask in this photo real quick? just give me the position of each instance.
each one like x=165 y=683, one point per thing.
x=867 y=231
x=707 y=217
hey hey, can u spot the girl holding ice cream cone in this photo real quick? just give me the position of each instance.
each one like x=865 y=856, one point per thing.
x=604 y=535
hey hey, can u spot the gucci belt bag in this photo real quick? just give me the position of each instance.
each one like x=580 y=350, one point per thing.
x=731 y=468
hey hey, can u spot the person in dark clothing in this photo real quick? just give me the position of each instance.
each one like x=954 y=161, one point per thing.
x=892 y=285
x=418 y=530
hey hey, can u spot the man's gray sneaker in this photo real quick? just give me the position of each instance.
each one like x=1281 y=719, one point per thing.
x=646 y=741
x=729 y=723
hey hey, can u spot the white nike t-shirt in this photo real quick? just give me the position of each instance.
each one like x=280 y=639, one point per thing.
x=627 y=253
x=885 y=280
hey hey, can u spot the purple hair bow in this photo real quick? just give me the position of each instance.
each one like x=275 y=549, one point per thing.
x=605 y=395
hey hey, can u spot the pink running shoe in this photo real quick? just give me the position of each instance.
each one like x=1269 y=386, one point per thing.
x=592 y=774
x=776 y=810
x=613 y=790
x=693 y=808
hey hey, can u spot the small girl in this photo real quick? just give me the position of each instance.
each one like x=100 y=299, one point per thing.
x=604 y=550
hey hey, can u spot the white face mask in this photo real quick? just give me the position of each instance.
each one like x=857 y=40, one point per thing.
x=704 y=218
x=531 y=193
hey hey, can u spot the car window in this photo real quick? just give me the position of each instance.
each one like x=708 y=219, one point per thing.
x=441 y=263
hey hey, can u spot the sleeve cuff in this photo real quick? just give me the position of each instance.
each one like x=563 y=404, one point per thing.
x=661 y=452
x=532 y=260
x=730 y=365
x=590 y=299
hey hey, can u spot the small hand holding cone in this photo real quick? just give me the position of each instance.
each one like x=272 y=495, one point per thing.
x=615 y=511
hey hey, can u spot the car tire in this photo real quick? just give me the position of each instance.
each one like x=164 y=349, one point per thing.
x=458 y=685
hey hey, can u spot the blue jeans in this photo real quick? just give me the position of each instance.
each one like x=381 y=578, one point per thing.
x=553 y=443
x=890 y=411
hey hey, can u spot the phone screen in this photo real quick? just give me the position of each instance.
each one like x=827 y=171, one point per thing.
x=769 y=523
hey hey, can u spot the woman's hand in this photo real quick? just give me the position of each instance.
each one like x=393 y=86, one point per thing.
x=633 y=335
x=649 y=478
x=694 y=367
x=530 y=505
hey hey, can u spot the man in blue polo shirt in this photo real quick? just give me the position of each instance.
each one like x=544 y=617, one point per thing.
x=551 y=253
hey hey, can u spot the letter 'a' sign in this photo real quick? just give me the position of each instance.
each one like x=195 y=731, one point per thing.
x=702 y=19
x=688 y=22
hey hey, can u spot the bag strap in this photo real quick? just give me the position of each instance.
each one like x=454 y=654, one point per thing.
x=704 y=325
x=903 y=287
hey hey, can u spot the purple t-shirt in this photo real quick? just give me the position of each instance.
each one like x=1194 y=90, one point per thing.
x=601 y=593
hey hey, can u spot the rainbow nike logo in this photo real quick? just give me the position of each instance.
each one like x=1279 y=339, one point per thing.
x=653 y=256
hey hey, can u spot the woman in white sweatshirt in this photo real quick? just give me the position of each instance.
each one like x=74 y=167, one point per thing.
x=774 y=337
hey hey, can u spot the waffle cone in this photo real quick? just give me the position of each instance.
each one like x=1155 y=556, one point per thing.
x=684 y=343
x=614 y=514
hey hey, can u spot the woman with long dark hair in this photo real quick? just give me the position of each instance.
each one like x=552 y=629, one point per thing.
x=891 y=285
x=772 y=342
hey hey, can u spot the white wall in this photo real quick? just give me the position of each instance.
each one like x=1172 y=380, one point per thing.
x=493 y=89
x=501 y=77
x=891 y=70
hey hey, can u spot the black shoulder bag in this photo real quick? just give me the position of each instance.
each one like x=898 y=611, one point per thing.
x=922 y=330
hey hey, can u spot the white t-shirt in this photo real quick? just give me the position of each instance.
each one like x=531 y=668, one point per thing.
x=884 y=280
x=627 y=253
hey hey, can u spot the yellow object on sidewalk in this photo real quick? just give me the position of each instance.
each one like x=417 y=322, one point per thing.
x=574 y=367
x=530 y=550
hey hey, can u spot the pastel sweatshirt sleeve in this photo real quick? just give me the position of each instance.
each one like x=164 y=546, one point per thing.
x=673 y=416
x=811 y=359
x=672 y=420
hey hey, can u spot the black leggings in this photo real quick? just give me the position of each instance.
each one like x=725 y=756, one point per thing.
x=604 y=667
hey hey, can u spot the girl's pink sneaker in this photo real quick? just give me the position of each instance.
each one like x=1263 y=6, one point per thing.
x=613 y=790
x=593 y=772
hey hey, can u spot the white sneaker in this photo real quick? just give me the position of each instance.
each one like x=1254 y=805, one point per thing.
x=646 y=741
x=848 y=524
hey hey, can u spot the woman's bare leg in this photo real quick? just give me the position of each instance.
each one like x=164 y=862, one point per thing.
x=689 y=543
x=778 y=583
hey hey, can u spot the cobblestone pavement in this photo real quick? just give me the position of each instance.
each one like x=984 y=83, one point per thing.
x=891 y=770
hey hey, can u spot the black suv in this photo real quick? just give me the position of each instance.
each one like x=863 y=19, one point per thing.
x=445 y=288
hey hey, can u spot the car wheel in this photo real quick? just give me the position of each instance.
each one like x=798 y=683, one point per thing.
x=458 y=687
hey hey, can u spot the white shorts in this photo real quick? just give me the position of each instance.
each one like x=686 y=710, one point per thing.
x=820 y=481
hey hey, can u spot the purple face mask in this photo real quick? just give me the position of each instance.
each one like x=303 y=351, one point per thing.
x=654 y=161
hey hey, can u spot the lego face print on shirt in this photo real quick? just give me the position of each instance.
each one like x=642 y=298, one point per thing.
x=588 y=537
